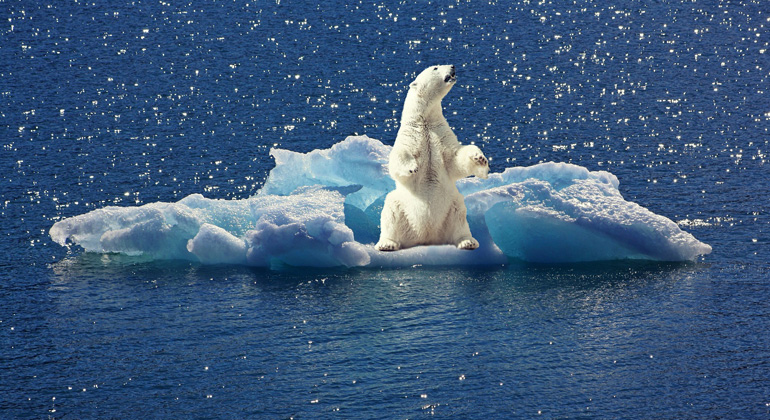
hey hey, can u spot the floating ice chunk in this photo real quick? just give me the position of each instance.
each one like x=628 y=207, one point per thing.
x=159 y=230
x=305 y=228
x=558 y=175
x=214 y=245
x=325 y=244
x=586 y=221
x=358 y=160
x=321 y=207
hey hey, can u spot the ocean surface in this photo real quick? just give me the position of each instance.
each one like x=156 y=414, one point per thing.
x=133 y=102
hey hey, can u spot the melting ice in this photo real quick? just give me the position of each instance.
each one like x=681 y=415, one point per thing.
x=322 y=209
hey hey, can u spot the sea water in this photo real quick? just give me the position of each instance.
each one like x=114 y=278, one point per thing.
x=138 y=103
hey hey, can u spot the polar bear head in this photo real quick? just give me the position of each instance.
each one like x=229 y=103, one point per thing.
x=434 y=83
x=423 y=101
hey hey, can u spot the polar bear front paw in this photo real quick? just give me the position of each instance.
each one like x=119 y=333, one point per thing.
x=405 y=172
x=386 y=245
x=481 y=169
x=468 y=244
x=480 y=159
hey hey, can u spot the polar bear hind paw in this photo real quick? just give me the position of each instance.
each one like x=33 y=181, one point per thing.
x=468 y=244
x=386 y=245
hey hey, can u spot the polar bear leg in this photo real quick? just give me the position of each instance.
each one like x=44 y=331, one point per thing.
x=403 y=166
x=392 y=225
x=457 y=228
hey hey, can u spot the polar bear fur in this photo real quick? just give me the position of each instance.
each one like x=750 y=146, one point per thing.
x=426 y=161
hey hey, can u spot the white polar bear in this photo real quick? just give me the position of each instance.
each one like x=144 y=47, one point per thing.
x=426 y=208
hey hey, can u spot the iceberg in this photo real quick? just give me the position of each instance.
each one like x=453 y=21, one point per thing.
x=322 y=209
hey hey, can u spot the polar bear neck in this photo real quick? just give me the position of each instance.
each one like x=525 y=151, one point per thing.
x=421 y=110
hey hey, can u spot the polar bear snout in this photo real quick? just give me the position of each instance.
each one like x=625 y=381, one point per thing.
x=451 y=76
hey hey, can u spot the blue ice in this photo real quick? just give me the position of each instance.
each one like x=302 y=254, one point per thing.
x=322 y=209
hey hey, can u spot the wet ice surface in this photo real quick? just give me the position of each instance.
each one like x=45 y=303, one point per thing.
x=126 y=105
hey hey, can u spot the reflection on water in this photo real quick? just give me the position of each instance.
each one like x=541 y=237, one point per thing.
x=457 y=342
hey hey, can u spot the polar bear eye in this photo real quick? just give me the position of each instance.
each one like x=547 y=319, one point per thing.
x=435 y=68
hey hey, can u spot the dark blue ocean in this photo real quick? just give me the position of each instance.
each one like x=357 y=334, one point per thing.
x=133 y=102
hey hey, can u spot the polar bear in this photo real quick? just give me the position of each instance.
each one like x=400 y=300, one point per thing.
x=426 y=161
